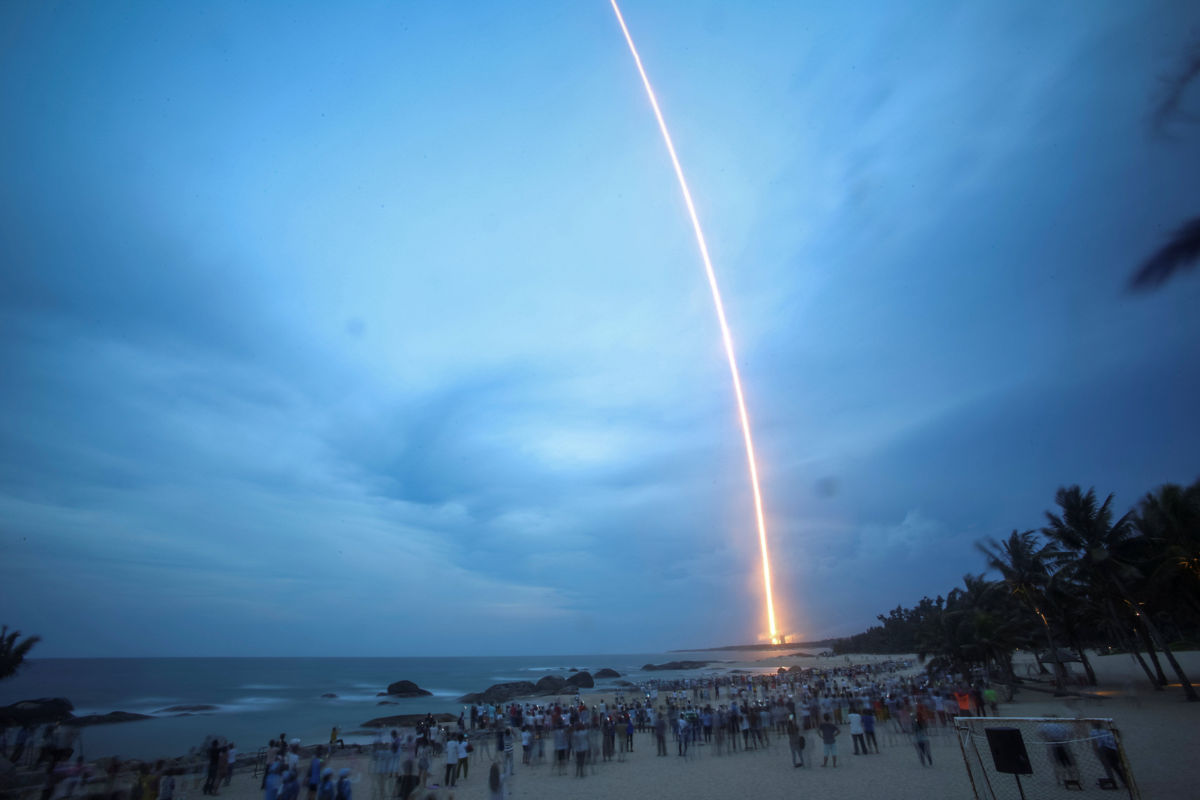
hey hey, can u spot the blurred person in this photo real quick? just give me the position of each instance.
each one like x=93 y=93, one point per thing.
x=829 y=733
x=344 y=790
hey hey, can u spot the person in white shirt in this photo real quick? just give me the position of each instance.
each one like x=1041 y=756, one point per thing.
x=451 y=761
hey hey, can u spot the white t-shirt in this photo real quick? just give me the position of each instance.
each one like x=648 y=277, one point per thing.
x=856 y=724
x=452 y=751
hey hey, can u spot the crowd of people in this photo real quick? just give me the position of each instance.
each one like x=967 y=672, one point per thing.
x=885 y=703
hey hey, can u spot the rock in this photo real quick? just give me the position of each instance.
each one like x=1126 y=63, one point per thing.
x=37 y=712
x=173 y=709
x=106 y=719
x=781 y=671
x=581 y=680
x=406 y=689
x=500 y=693
x=381 y=694
x=573 y=669
x=330 y=695
x=387 y=703
x=627 y=683
x=677 y=665
x=405 y=720
x=607 y=673
x=550 y=684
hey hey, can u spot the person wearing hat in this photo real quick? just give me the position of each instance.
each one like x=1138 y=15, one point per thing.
x=326 y=791
x=344 y=790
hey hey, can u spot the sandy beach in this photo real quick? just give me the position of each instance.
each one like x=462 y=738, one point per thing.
x=1153 y=727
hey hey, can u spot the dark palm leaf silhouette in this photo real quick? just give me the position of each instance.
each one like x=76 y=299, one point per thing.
x=13 y=653
x=1181 y=251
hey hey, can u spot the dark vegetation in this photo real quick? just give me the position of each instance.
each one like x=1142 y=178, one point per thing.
x=1083 y=582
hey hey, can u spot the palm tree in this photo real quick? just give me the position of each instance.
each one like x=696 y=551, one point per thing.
x=1022 y=564
x=1094 y=548
x=12 y=653
x=1169 y=523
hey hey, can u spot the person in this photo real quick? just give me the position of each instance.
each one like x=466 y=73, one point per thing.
x=314 y=773
x=326 y=791
x=1105 y=745
x=214 y=764
x=451 y=761
x=230 y=762
x=290 y=790
x=509 y=766
x=921 y=739
x=464 y=756
x=335 y=740
x=868 y=725
x=856 y=733
x=660 y=734
x=495 y=783
x=344 y=790
x=580 y=741
x=526 y=745
x=273 y=780
x=166 y=785
x=829 y=733
x=795 y=741
x=560 y=749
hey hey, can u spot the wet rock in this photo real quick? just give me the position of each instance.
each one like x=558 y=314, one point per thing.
x=405 y=720
x=581 y=680
x=37 y=712
x=406 y=689
x=175 y=709
x=106 y=719
x=550 y=684
x=677 y=665
x=607 y=673
x=330 y=695
x=501 y=693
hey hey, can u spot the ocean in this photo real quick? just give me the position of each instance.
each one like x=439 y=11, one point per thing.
x=258 y=698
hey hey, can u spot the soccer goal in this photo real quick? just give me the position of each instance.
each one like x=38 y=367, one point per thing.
x=1037 y=757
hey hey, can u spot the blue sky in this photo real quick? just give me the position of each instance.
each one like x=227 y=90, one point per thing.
x=380 y=329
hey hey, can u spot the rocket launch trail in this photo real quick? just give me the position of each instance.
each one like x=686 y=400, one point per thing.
x=725 y=335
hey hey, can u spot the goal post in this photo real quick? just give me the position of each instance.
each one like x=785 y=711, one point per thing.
x=1036 y=757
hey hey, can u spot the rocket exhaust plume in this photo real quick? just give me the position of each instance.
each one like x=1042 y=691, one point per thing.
x=725 y=336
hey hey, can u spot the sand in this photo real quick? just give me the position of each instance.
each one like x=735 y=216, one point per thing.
x=1156 y=729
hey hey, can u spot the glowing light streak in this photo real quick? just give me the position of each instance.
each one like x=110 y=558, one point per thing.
x=725 y=335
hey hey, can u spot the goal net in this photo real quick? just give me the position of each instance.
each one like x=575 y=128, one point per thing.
x=1037 y=757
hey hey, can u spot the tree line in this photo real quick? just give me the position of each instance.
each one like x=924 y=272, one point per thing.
x=1082 y=582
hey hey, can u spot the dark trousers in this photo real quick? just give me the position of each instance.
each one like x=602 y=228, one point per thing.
x=859 y=741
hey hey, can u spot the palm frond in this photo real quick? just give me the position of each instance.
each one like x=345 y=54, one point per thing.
x=1181 y=251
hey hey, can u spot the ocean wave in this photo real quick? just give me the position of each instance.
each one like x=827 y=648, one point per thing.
x=262 y=686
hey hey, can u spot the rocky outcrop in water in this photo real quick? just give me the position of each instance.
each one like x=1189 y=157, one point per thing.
x=406 y=689
x=607 y=673
x=106 y=719
x=188 y=709
x=581 y=680
x=405 y=720
x=329 y=695
x=501 y=693
x=37 y=712
x=550 y=684
x=676 y=665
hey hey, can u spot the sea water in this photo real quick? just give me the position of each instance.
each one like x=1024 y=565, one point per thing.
x=256 y=699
